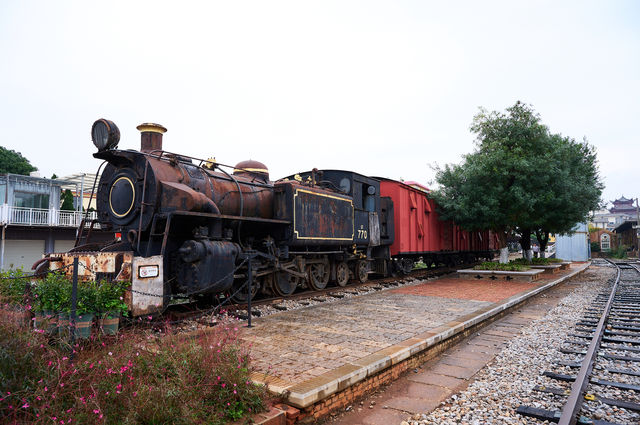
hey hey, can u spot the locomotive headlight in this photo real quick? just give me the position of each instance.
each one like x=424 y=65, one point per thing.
x=105 y=134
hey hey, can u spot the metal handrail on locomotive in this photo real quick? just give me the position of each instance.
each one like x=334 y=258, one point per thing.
x=190 y=228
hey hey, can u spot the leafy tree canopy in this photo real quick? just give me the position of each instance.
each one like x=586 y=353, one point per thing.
x=67 y=200
x=521 y=178
x=13 y=162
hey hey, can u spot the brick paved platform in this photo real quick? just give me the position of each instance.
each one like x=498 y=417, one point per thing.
x=311 y=353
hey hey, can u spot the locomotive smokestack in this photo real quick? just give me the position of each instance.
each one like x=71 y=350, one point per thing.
x=151 y=137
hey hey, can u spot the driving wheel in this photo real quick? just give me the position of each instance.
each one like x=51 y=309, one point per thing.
x=342 y=273
x=318 y=274
x=362 y=271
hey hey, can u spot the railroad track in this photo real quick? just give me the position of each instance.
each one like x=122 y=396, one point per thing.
x=607 y=340
x=194 y=310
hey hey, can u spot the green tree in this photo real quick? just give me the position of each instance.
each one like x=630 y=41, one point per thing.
x=67 y=201
x=518 y=179
x=13 y=162
x=572 y=190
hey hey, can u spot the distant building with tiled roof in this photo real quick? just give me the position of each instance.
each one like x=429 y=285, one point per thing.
x=622 y=206
x=621 y=211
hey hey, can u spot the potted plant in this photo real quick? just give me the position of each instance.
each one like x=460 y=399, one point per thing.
x=110 y=305
x=86 y=307
x=56 y=298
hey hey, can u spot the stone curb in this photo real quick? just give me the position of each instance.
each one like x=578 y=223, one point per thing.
x=316 y=389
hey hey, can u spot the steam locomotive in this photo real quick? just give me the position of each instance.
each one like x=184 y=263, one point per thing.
x=188 y=226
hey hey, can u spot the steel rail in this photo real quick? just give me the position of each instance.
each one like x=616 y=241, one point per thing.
x=576 y=398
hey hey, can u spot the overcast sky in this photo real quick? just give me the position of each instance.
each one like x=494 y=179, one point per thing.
x=382 y=88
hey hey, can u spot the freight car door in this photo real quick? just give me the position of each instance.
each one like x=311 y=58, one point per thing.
x=447 y=236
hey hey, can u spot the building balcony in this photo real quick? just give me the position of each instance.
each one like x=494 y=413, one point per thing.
x=19 y=216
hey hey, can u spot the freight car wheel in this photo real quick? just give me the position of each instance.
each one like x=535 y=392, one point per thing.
x=362 y=271
x=407 y=265
x=342 y=273
x=318 y=275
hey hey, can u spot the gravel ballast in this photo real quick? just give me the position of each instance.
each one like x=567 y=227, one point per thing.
x=509 y=381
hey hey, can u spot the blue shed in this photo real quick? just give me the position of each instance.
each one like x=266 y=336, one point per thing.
x=574 y=246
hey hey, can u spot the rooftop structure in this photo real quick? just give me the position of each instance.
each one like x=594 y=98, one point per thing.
x=621 y=211
x=623 y=205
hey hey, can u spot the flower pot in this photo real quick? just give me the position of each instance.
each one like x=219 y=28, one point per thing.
x=83 y=325
x=109 y=323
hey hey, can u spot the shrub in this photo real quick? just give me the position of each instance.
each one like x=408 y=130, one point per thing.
x=595 y=246
x=14 y=286
x=619 y=252
x=492 y=265
x=536 y=261
x=133 y=380
x=53 y=293
x=420 y=265
x=110 y=297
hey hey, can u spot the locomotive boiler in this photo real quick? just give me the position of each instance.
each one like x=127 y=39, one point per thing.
x=195 y=228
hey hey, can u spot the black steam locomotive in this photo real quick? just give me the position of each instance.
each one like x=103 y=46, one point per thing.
x=187 y=226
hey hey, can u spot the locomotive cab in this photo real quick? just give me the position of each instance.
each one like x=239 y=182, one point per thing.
x=365 y=193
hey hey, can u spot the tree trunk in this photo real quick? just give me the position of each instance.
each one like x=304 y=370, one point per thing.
x=504 y=255
x=543 y=238
x=525 y=243
x=504 y=249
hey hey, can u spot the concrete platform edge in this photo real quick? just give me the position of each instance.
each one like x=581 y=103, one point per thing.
x=307 y=393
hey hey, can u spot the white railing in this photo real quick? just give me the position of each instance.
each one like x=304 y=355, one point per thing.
x=20 y=216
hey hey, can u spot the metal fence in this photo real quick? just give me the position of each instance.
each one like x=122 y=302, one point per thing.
x=42 y=217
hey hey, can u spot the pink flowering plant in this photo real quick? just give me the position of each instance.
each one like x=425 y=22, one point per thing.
x=136 y=378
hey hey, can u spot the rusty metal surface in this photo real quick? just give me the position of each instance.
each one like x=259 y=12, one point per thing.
x=165 y=184
x=92 y=264
x=147 y=294
x=319 y=216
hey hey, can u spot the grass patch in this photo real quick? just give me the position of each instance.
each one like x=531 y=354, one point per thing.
x=537 y=261
x=128 y=379
x=508 y=267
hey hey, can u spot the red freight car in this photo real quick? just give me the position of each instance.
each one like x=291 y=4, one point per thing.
x=420 y=233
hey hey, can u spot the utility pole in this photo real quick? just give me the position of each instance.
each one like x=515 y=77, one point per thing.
x=637 y=227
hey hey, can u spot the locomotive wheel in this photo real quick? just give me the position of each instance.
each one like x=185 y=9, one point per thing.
x=318 y=275
x=362 y=271
x=283 y=284
x=342 y=273
x=242 y=296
